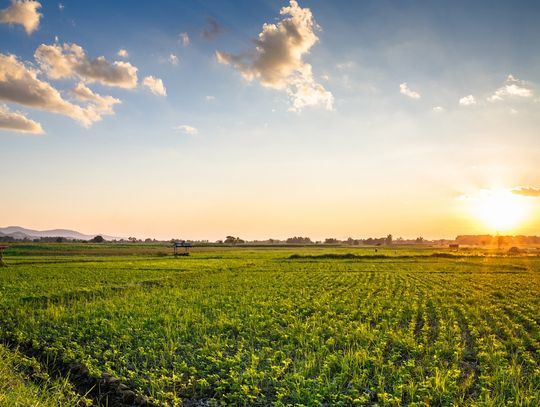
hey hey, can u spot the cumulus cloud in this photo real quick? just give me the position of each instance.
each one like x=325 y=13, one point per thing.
x=96 y=104
x=277 y=60
x=184 y=39
x=512 y=87
x=467 y=100
x=212 y=29
x=405 y=90
x=20 y=84
x=186 y=129
x=210 y=98
x=155 y=85
x=173 y=59
x=438 y=109
x=15 y=121
x=70 y=61
x=527 y=191
x=122 y=53
x=23 y=12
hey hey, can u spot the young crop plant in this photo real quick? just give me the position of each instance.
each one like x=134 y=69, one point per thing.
x=262 y=328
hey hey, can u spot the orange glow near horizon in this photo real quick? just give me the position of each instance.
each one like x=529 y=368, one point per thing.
x=500 y=210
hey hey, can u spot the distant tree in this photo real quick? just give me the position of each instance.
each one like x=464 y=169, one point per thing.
x=378 y=241
x=299 y=240
x=132 y=239
x=419 y=239
x=233 y=240
x=389 y=240
x=330 y=240
x=147 y=240
x=59 y=239
x=514 y=250
x=97 y=239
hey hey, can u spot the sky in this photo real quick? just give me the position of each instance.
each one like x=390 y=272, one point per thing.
x=270 y=119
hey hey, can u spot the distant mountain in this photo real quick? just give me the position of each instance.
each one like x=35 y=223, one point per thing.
x=18 y=232
x=15 y=235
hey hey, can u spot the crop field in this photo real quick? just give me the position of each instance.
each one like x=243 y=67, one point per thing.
x=270 y=327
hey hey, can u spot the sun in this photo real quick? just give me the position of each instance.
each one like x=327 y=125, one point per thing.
x=500 y=209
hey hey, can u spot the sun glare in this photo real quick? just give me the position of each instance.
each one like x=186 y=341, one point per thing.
x=500 y=210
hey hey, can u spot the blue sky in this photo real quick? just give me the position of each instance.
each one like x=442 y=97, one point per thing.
x=379 y=161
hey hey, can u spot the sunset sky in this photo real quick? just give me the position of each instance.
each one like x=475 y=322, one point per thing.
x=200 y=119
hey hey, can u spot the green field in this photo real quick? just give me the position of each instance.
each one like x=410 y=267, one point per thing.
x=256 y=326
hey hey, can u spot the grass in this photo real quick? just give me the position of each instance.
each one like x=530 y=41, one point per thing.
x=24 y=383
x=300 y=326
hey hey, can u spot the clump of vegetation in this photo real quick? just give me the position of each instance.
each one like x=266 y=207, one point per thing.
x=338 y=256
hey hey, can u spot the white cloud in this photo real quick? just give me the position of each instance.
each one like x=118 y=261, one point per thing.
x=405 y=90
x=512 y=87
x=438 y=109
x=277 y=61
x=184 y=128
x=70 y=61
x=184 y=39
x=61 y=6
x=20 y=84
x=23 y=12
x=16 y=121
x=155 y=85
x=210 y=98
x=467 y=100
x=346 y=65
x=97 y=104
x=173 y=59
x=122 y=53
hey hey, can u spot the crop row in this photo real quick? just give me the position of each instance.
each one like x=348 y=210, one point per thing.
x=265 y=330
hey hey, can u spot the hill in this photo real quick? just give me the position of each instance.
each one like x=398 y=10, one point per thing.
x=18 y=232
